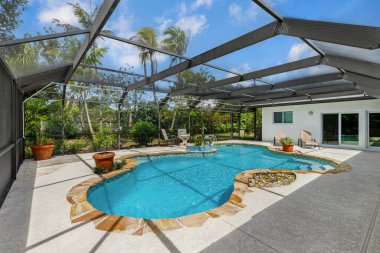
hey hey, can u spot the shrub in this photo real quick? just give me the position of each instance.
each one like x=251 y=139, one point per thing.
x=118 y=165
x=103 y=140
x=98 y=170
x=287 y=141
x=143 y=132
x=199 y=140
x=73 y=146
x=42 y=139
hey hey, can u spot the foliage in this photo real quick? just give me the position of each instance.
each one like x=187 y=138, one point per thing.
x=10 y=13
x=143 y=132
x=176 y=41
x=75 y=146
x=104 y=139
x=116 y=166
x=42 y=139
x=287 y=141
x=195 y=78
x=98 y=170
x=199 y=140
x=95 y=124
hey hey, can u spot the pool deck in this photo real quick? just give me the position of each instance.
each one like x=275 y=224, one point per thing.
x=317 y=213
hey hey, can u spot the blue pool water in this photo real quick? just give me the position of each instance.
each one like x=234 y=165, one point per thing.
x=177 y=185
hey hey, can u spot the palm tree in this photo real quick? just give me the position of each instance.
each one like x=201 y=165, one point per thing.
x=176 y=41
x=148 y=36
x=23 y=59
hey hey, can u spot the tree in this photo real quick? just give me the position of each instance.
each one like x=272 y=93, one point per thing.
x=194 y=78
x=10 y=13
x=148 y=36
x=95 y=54
x=176 y=41
x=24 y=58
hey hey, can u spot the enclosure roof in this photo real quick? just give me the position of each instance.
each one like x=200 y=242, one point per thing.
x=344 y=63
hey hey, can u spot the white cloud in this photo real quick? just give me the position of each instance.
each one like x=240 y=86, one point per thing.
x=298 y=51
x=122 y=25
x=200 y=3
x=238 y=14
x=163 y=23
x=57 y=9
x=192 y=25
x=241 y=69
x=62 y=12
x=121 y=54
x=182 y=9
x=235 y=11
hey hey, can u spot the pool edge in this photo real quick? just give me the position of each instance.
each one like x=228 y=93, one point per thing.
x=82 y=210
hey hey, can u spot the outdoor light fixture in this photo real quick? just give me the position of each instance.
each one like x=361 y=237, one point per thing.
x=310 y=113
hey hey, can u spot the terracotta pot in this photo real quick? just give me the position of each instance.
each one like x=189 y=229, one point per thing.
x=287 y=148
x=42 y=152
x=104 y=159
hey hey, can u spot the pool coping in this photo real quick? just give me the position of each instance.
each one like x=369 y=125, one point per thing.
x=82 y=210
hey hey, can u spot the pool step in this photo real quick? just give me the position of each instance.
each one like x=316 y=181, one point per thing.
x=315 y=167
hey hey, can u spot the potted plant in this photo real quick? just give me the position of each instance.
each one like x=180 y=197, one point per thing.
x=43 y=147
x=287 y=144
x=104 y=159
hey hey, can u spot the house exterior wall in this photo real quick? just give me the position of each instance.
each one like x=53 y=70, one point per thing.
x=302 y=120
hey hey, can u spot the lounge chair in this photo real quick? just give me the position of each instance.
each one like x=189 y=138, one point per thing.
x=307 y=140
x=278 y=136
x=172 y=139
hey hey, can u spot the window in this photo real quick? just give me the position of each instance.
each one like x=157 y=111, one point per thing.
x=282 y=117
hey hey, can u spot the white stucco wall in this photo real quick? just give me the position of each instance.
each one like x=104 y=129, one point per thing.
x=313 y=123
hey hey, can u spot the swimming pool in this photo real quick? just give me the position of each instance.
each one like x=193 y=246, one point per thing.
x=171 y=186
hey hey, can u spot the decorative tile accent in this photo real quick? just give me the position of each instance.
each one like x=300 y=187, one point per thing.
x=82 y=210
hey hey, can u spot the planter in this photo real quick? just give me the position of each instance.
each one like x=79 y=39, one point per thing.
x=287 y=148
x=104 y=159
x=42 y=152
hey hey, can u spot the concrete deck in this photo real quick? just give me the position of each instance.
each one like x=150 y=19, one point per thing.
x=317 y=213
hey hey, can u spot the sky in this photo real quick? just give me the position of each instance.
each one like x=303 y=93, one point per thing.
x=209 y=23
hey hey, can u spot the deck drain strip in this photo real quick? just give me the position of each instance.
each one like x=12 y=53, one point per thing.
x=370 y=229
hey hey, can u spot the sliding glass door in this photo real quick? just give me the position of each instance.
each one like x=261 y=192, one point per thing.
x=340 y=129
x=374 y=130
x=349 y=129
x=330 y=134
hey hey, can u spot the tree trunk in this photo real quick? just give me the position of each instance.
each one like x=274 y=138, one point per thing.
x=173 y=120
x=88 y=116
x=130 y=118
x=152 y=71
x=81 y=120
